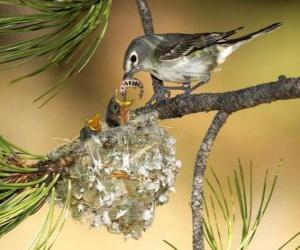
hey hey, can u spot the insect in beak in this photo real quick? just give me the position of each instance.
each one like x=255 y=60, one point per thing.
x=131 y=83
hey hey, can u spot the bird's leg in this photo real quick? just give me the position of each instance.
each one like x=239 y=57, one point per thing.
x=188 y=88
x=161 y=92
x=192 y=88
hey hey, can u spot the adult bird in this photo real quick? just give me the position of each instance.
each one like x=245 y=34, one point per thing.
x=184 y=58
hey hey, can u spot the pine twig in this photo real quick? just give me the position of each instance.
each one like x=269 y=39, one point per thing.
x=231 y=101
x=147 y=22
x=199 y=171
x=146 y=16
x=69 y=29
x=26 y=181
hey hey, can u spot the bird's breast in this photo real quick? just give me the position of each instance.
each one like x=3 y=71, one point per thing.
x=194 y=67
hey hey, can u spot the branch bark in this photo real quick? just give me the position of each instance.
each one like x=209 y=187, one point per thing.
x=233 y=101
x=199 y=172
x=146 y=16
x=147 y=22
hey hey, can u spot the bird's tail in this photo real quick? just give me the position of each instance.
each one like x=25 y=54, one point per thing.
x=228 y=46
x=253 y=35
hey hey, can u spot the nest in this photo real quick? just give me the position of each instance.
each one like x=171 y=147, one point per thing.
x=122 y=174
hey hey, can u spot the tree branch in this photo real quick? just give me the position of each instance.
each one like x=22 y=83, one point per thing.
x=199 y=171
x=147 y=22
x=146 y=16
x=282 y=89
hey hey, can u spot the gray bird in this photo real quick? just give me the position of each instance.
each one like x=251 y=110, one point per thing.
x=184 y=58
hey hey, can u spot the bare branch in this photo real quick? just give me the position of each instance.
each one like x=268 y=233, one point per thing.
x=199 y=171
x=146 y=16
x=282 y=89
x=146 y=19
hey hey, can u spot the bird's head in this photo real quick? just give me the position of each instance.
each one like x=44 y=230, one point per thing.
x=137 y=56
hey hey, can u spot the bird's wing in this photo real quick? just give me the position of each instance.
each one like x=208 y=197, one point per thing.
x=185 y=44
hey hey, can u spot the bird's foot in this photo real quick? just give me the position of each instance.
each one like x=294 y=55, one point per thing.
x=161 y=93
x=164 y=92
x=188 y=88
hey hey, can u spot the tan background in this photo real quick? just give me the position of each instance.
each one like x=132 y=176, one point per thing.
x=264 y=134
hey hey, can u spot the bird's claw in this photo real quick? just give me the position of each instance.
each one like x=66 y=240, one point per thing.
x=189 y=88
x=161 y=93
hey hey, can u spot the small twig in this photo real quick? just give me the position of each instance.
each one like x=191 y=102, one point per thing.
x=45 y=167
x=199 y=171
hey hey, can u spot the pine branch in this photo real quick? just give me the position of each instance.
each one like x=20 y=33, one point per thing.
x=70 y=29
x=147 y=22
x=26 y=181
x=199 y=171
x=146 y=16
x=232 y=101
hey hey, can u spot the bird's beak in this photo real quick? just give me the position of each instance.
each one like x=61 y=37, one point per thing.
x=125 y=76
x=128 y=74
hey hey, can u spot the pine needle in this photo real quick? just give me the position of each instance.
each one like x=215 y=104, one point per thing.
x=289 y=241
x=68 y=29
x=170 y=245
x=51 y=228
x=23 y=190
x=22 y=204
x=244 y=194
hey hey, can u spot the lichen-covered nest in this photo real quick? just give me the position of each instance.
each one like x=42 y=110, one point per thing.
x=120 y=175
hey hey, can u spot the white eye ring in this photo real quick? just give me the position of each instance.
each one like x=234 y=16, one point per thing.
x=133 y=58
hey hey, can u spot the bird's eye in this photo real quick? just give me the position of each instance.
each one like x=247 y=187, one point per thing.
x=115 y=107
x=133 y=58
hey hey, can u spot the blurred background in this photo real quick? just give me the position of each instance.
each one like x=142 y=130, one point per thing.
x=264 y=135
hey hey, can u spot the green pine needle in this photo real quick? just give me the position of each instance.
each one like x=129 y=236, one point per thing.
x=69 y=29
x=51 y=228
x=170 y=245
x=7 y=148
x=289 y=241
x=23 y=189
x=22 y=204
x=219 y=202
